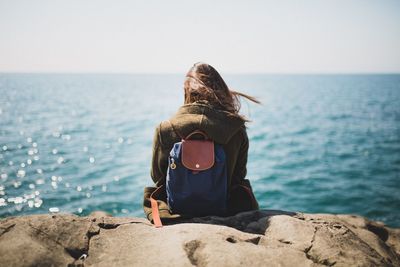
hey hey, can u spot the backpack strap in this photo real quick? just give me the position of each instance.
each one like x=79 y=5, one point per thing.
x=206 y=137
x=173 y=129
x=154 y=208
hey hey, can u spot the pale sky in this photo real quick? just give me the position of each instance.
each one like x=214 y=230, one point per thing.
x=309 y=36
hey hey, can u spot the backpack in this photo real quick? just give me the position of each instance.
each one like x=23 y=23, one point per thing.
x=196 y=182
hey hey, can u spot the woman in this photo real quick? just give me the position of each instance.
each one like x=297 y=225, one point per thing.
x=209 y=106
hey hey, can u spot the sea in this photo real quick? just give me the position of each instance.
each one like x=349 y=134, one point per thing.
x=78 y=143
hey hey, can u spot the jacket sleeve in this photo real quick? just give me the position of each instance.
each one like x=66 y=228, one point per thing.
x=241 y=194
x=159 y=160
x=240 y=169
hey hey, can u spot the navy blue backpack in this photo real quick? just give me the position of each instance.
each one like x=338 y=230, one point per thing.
x=197 y=177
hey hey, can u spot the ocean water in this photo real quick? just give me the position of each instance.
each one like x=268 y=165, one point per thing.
x=82 y=142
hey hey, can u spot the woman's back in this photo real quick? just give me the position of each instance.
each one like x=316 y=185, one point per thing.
x=214 y=111
x=220 y=127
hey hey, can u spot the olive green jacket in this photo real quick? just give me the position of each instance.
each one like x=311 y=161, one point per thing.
x=224 y=129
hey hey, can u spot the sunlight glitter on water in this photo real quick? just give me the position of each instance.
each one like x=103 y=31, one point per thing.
x=60 y=160
x=21 y=174
x=316 y=144
x=54 y=210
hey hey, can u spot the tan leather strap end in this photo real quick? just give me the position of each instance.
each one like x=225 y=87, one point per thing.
x=155 y=213
x=154 y=210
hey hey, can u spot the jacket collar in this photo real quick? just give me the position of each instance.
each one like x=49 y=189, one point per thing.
x=218 y=124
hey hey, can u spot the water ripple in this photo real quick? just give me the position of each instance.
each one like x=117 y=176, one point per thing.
x=78 y=143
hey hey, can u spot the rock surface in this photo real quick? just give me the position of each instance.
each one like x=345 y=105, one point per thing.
x=259 y=238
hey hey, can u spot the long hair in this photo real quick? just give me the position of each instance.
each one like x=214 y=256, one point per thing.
x=203 y=82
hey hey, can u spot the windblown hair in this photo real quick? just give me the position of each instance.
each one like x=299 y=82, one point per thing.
x=204 y=83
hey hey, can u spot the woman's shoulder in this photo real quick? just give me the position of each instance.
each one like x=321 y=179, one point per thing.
x=241 y=135
x=165 y=126
x=166 y=133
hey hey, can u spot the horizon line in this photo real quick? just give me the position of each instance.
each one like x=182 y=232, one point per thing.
x=178 y=73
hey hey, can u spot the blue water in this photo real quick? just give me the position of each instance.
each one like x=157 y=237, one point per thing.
x=319 y=143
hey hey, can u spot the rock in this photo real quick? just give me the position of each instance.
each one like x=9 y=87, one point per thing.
x=99 y=214
x=258 y=238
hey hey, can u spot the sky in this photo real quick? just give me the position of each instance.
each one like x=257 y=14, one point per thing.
x=309 y=36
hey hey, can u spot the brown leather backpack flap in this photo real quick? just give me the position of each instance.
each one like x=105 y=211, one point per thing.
x=197 y=155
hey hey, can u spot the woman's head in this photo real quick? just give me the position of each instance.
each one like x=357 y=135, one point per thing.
x=203 y=82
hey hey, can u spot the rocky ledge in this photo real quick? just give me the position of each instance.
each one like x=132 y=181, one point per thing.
x=260 y=238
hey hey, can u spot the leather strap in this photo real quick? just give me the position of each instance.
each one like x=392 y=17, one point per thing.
x=197 y=132
x=189 y=135
x=155 y=212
